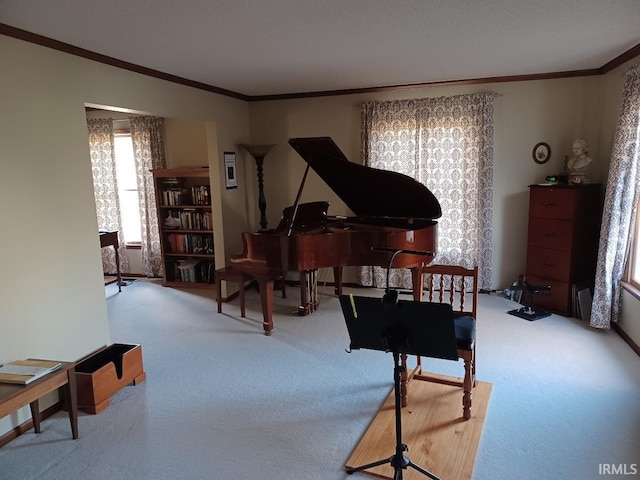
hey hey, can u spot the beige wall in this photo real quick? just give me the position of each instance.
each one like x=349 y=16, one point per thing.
x=552 y=111
x=186 y=144
x=52 y=300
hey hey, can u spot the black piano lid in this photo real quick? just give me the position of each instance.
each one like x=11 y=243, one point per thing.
x=367 y=191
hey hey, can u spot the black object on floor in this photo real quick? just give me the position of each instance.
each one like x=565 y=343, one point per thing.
x=529 y=313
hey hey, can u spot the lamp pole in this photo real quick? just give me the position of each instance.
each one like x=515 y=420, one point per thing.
x=258 y=152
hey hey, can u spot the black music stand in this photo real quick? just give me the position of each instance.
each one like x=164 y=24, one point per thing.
x=399 y=326
x=528 y=312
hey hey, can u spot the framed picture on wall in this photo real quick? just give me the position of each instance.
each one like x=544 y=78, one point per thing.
x=541 y=153
x=230 y=173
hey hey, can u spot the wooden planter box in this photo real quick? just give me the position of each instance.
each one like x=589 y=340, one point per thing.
x=106 y=371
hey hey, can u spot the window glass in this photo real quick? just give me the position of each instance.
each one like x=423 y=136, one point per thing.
x=127 y=189
x=633 y=267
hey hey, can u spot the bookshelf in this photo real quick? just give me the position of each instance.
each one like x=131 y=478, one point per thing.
x=185 y=221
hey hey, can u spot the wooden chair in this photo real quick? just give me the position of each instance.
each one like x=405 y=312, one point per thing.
x=457 y=286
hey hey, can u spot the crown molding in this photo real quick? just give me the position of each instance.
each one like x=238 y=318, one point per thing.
x=20 y=34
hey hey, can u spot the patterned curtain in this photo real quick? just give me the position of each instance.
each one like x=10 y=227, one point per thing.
x=105 y=188
x=621 y=200
x=445 y=143
x=147 y=137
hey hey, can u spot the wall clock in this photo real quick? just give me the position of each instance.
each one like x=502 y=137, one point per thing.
x=541 y=153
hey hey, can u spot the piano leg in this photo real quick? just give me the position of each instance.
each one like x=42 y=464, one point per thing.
x=308 y=292
x=266 y=298
x=417 y=279
x=283 y=286
x=314 y=291
x=337 y=276
x=303 y=308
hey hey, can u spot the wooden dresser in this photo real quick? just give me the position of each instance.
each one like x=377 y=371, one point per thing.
x=562 y=242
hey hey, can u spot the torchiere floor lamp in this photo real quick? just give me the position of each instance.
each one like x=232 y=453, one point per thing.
x=258 y=152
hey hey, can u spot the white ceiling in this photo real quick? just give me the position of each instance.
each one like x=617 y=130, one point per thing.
x=270 y=47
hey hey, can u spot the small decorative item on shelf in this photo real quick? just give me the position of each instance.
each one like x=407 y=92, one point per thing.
x=172 y=222
x=563 y=178
x=552 y=179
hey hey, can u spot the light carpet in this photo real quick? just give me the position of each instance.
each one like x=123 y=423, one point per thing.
x=222 y=400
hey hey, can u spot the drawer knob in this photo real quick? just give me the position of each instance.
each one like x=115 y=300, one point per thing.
x=550 y=204
x=549 y=234
x=547 y=264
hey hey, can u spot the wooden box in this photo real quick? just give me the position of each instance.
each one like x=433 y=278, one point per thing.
x=105 y=372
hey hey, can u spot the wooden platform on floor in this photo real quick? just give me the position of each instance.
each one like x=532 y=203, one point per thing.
x=438 y=438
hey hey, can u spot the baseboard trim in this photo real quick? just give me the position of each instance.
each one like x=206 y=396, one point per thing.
x=618 y=329
x=28 y=425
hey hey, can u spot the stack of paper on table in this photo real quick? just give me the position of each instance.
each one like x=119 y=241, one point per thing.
x=26 y=371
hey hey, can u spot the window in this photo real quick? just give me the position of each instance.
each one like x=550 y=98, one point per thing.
x=128 y=189
x=633 y=264
x=446 y=144
x=632 y=270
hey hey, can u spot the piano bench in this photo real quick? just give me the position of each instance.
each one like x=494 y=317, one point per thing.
x=228 y=274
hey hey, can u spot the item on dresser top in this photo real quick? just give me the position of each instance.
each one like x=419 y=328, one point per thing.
x=580 y=165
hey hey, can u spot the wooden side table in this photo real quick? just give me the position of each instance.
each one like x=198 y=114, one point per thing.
x=14 y=397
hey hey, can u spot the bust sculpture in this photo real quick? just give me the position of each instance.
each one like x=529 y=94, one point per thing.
x=579 y=166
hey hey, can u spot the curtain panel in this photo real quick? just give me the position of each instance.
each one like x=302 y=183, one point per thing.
x=621 y=201
x=147 y=137
x=105 y=188
x=446 y=143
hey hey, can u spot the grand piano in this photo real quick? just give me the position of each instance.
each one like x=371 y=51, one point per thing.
x=392 y=212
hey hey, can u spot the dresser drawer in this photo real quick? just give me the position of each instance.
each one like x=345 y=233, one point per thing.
x=546 y=233
x=547 y=263
x=557 y=299
x=552 y=202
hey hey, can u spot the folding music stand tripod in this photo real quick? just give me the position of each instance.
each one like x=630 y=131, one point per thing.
x=528 y=312
x=398 y=326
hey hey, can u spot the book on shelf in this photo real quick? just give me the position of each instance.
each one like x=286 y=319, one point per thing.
x=26 y=371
